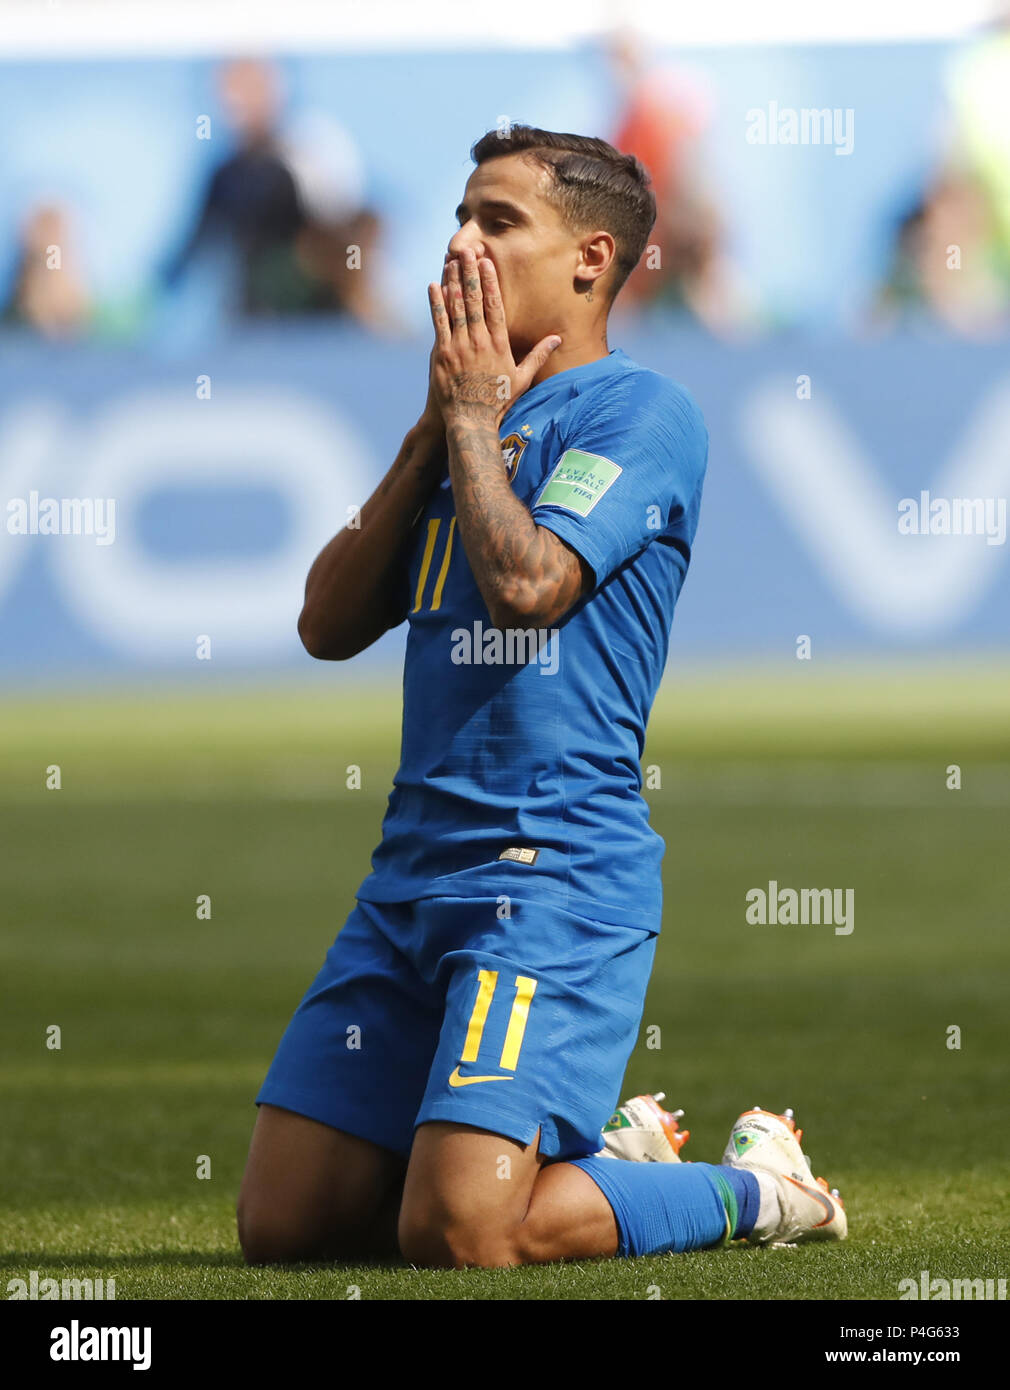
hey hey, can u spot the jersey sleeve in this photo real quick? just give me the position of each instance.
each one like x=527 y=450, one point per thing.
x=630 y=464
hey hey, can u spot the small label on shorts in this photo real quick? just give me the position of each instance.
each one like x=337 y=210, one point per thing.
x=519 y=856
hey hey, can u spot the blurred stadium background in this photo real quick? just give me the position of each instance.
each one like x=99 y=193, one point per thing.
x=201 y=351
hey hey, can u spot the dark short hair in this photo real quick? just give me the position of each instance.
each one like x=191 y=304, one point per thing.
x=592 y=186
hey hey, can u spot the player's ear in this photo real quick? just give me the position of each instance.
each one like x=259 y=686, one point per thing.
x=596 y=256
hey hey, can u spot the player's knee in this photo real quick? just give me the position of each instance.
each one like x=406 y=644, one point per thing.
x=534 y=1245
x=266 y=1239
x=259 y=1243
x=434 y=1242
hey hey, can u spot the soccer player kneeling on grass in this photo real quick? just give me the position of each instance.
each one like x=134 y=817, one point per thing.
x=442 y=1089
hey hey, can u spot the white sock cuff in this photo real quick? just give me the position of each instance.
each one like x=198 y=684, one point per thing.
x=770 y=1209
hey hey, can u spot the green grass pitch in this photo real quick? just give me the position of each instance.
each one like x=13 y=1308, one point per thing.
x=168 y=1022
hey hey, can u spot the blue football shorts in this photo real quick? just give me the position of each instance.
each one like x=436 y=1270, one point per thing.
x=448 y=1009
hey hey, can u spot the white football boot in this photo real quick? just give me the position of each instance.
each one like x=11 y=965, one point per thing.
x=642 y=1131
x=766 y=1143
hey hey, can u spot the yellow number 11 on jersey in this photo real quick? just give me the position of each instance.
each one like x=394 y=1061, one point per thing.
x=509 y=1060
x=429 y=550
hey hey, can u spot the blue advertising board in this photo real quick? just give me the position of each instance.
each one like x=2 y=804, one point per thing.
x=856 y=494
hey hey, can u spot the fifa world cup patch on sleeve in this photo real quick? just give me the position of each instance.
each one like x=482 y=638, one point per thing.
x=579 y=481
x=518 y=855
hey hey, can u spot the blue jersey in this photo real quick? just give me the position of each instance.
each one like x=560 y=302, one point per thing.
x=520 y=766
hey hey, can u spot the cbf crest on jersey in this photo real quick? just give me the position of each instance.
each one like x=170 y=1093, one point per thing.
x=512 y=447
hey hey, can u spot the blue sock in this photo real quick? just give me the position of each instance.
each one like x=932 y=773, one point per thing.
x=748 y=1198
x=663 y=1207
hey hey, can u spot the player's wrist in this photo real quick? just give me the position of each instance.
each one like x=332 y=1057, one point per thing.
x=429 y=430
x=472 y=415
x=426 y=443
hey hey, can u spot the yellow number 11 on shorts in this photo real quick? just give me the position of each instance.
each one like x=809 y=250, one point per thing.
x=509 y=1060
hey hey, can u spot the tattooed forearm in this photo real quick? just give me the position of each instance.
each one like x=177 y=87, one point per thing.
x=527 y=575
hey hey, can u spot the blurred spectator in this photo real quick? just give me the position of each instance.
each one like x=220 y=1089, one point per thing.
x=951 y=259
x=978 y=86
x=662 y=121
x=339 y=242
x=47 y=293
x=286 y=211
x=944 y=267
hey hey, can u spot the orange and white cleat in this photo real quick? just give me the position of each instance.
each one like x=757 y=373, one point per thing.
x=767 y=1143
x=642 y=1131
